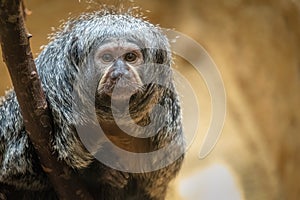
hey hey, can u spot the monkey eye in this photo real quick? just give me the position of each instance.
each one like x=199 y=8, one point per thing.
x=130 y=57
x=107 y=57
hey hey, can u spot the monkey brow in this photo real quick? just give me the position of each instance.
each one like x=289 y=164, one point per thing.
x=126 y=41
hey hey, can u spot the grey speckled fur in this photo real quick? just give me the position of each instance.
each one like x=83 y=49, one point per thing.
x=65 y=69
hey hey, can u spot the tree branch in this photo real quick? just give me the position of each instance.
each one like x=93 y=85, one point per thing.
x=37 y=118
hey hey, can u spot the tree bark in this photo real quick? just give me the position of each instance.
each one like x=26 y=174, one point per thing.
x=35 y=111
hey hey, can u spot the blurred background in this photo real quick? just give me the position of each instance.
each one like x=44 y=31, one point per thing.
x=256 y=46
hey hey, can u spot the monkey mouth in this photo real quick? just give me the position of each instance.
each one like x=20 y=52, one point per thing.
x=120 y=89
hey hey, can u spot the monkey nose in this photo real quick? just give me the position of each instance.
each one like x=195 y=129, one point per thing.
x=119 y=70
x=116 y=75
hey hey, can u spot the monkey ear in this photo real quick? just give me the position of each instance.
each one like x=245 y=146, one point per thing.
x=160 y=56
x=76 y=52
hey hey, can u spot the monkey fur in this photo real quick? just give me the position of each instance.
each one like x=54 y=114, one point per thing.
x=81 y=65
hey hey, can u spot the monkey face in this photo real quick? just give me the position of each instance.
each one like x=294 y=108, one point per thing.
x=119 y=61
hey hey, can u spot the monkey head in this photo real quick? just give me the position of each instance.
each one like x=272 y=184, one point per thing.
x=126 y=57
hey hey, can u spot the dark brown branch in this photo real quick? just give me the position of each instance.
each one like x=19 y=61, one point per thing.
x=19 y=60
